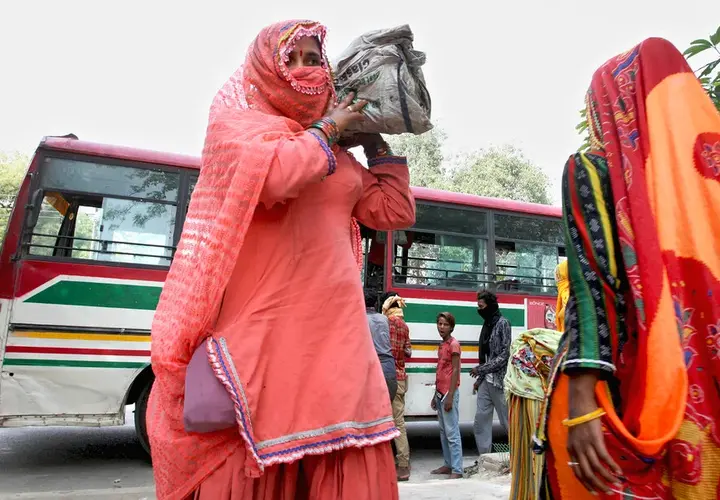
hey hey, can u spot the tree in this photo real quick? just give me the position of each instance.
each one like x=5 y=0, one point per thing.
x=500 y=172
x=708 y=74
x=426 y=157
x=12 y=171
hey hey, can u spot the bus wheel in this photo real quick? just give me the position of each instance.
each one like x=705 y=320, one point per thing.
x=140 y=422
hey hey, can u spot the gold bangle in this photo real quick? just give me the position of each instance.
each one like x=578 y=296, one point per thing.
x=572 y=422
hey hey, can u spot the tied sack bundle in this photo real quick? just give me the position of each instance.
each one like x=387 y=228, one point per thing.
x=383 y=68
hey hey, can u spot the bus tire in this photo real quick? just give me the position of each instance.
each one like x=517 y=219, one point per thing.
x=140 y=417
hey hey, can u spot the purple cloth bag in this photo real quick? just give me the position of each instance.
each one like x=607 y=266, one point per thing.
x=208 y=407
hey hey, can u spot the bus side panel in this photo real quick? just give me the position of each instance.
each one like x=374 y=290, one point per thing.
x=420 y=315
x=541 y=313
x=79 y=335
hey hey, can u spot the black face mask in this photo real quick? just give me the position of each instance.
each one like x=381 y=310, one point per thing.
x=488 y=312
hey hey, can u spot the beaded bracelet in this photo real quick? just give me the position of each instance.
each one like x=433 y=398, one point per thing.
x=572 y=422
x=328 y=127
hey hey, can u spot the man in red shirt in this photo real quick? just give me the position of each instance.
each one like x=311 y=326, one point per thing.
x=447 y=398
x=401 y=348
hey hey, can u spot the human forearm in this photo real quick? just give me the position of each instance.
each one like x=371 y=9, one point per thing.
x=455 y=377
x=299 y=160
x=387 y=202
x=593 y=316
x=581 y=396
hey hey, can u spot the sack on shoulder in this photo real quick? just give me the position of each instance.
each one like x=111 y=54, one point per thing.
x=383 y=68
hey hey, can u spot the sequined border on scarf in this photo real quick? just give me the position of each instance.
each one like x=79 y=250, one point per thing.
x=287 y=43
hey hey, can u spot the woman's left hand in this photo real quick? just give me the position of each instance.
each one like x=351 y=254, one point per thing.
x=346 y=112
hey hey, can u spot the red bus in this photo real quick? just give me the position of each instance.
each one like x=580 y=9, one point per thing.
x=93 y=233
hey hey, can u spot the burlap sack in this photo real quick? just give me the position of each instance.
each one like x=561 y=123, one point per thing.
x=383 y=68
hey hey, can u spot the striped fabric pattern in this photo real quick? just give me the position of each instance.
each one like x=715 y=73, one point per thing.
x=595 y=335
x=526 y=467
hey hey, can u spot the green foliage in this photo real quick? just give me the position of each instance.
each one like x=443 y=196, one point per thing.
x=425 y=151
x=583 y=129
x=708 y=74
x=12 y=171
x=500 y=172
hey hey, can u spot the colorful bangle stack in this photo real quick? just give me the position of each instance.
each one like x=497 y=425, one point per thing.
x=332 y=162
x=328 y=127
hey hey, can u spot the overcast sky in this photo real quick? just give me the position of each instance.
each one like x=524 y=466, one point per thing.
x=143 y=73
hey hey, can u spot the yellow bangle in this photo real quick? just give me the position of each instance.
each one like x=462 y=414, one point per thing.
x=572 y=422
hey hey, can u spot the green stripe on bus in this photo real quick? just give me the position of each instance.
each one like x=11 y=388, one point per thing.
x=144 y=297
x=464 y=315
x=92 y=294
x=73 y=363
x=430 y=369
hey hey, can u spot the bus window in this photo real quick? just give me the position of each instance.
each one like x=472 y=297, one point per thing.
x=108 y=213
x=373 y=246
x=527 y=251
x=446 y=248
x=47 y=225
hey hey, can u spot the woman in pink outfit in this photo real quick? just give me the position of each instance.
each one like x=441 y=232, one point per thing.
x=270 y=235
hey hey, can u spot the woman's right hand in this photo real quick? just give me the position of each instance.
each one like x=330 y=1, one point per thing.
x=345 y=113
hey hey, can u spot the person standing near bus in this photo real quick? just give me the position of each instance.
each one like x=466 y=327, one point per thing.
x=446 y=400
x=633 y=407
x=269 y=241
x=494 y=353
x=392 y=308
x=380 y=332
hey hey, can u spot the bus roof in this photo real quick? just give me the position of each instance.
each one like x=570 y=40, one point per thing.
x=71 y=145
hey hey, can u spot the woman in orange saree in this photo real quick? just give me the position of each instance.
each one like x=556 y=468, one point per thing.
x=634 y=407
x=267 y=243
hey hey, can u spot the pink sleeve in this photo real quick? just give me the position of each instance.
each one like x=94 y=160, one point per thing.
x=455 y=348
x=299 y=160
x=387 y=202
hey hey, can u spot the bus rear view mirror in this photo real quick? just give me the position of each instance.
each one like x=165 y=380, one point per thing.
x=32 y=210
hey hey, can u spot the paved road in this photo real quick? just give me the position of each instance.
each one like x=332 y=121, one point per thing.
x=76 y=459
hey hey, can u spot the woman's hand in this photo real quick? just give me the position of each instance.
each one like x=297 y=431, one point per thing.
x=346 y=112
x=590 y=460
x=433 y=403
